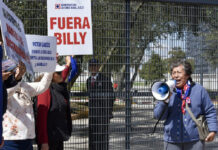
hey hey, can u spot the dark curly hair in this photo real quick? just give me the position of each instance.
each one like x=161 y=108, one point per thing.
x=187 y=67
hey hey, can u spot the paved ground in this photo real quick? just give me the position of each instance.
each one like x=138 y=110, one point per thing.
x=142 y=125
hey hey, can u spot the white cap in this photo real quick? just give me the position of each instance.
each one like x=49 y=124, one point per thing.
x=59 y=68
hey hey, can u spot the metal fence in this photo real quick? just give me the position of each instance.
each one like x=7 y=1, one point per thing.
x=134 y=43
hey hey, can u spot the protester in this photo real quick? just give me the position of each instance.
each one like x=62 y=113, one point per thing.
x=9 y=79
x=100 y=107
x=54 y=124
x=19 y=123
x=180 y=131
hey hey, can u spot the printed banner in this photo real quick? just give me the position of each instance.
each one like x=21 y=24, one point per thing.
x=1 y=94
x=14 y=37
x=70 y=22
x=8 y=65
x=42 y=51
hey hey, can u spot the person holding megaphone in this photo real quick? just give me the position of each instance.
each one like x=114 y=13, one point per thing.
x=180 y=131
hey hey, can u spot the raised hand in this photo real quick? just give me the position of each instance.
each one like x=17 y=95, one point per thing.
x=67 y=60
x=20 y=70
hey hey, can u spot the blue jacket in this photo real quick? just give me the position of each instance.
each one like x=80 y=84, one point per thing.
x=180 y=128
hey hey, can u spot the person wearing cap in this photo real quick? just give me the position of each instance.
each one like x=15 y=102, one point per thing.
x=101 y=100
x=53 y=119
x=19 y=122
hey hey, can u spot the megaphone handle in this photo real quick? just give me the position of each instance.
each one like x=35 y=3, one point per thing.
x=164 y=110
x=167 y=101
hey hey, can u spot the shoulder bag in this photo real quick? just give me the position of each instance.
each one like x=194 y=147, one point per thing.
x=201 y=123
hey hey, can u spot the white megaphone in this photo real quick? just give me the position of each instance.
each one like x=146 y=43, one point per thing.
x=161 y=90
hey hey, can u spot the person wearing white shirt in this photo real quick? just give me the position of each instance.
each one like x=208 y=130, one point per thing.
x=19 y=122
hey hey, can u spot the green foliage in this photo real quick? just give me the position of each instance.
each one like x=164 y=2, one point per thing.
x=79 y=87
x=32 y=13
x=175 y=54
x=148 y=22
x=211 y=48
x=81 y=110
x=154 y=69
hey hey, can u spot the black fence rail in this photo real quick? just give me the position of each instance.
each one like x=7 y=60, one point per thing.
x=135 y=41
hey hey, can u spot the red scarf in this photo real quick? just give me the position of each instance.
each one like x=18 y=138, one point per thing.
x=184 y=97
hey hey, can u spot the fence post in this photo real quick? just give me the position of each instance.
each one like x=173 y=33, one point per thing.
x=127 y=77
x=201 y=67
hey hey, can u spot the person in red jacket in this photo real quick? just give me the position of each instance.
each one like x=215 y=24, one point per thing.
x=53 y=120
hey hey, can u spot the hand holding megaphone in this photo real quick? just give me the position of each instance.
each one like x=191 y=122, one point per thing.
x=162 y=90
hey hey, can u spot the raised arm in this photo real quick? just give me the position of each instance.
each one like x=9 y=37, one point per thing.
x=160 y=108
x=67 y=68
x=36 y=88
x=43 y=106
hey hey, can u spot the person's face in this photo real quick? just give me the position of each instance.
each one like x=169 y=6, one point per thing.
x=180 y=76
x=57 y=78
x=93 y=69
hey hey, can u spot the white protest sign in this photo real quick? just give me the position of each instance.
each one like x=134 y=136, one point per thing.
x=42 y=51
x=14 y=37
x=70 y=21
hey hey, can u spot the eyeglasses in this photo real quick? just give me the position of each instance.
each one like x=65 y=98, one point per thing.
x=59 y=73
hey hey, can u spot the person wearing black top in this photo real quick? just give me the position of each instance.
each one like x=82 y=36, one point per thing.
x=53 y=115
x=101 y=100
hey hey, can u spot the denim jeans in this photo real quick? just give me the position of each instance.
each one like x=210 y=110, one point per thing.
x=17 y=145
x=196 y=145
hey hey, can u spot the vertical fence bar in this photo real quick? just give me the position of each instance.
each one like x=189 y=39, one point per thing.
x=201 y=66
x=114 y=30
x=127 y=77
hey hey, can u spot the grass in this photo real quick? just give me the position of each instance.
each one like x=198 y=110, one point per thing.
x=139 y=83
x=78 y=87
x=81 y=110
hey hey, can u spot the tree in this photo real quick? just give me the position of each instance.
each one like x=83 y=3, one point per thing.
x=149 y=21
x=204 y=48
x=210 y=52
x=154 y=69
x=175 y=54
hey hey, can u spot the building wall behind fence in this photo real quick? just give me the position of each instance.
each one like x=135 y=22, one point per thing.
x=135 y=43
